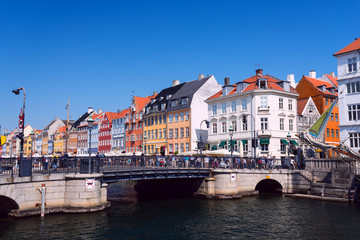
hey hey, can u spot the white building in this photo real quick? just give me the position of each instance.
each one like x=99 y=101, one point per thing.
x=261 y=100
x=349 y=94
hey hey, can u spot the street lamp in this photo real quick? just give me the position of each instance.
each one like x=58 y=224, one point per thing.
x=231 y=133
x=145 y=139
x=32 y=137
x=22 y=125
x=253 y=130
x=90 y=122
x=201 y=141
x=288 y=136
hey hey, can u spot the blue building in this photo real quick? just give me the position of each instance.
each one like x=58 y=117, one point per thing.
x=118 y=133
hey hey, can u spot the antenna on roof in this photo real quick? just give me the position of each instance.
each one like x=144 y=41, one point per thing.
x=258 y=65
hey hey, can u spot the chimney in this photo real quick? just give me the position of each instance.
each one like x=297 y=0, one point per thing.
x=332 y=74
x=100 y=110
x=201 y=76
x=90 y=109
x=175 y=83
x=312 y=74
x=226 y=81
x=290 y=78
x=259 y=72
x=154 y=93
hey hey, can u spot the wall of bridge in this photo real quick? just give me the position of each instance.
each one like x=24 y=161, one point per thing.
x=234 y=183
x=64 y=193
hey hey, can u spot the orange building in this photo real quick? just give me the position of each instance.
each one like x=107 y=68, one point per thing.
x=323 y=94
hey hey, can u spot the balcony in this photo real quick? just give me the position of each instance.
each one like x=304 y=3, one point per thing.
x=264 y=133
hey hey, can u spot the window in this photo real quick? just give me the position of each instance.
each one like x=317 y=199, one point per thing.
x=171 y=133
x=184 y=101
x=152 y=134
x=156 y=134
x=214 y=128
x=223 y=108
x=264 y=147
x=262 y=84
x=332 y=117
x=281 y=124
x=181 y=116
x=234 y=125
x=160 y=134
x=264 y=123
x=245 y=126
x=160 y=119
x=354 y=139
x=263 y=102
x=282 y=146
x=353 y=87
x=291 y=124
x=233 y=106
x=245 y=146
x=181 y=132
x=187 y=115
x=281 y=103
x=326 y=101
x=171 y=118
x=156 y=119
x=214 y=110
x=173 y=103
x=327 y=132
x=187 y=146
x=187 y=132
x=354 y=112
x=181 y=147
x=176 y=133
x=163 y=106
x=290 y=105
x=223 y=127
x=176 y=117
x=332 y=133
x=164 y=132
x=176 y=147
x=244 y=104
x=164 y=118
x=352 y=65
x=337 y=133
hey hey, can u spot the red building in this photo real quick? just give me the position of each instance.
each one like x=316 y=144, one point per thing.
x=104 y=142
x=134 y=124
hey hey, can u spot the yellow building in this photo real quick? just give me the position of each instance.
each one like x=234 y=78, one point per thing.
x=59 y=140
x=44 y=147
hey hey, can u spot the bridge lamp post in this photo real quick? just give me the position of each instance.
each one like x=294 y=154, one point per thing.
x=231 y=133
x=145 y=139
x=21 y=124
x=288 y=136
x=201 y=145
x=90 y=122
x=32 y=139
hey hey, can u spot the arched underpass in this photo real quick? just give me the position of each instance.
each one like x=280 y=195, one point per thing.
x=6 y=205
x=269 y=186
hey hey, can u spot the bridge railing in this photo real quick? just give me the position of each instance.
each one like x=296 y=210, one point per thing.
x=49 y=165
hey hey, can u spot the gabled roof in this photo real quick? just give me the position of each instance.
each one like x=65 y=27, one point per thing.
x=317 y=83
x=187 y=91
x=122 y=113
x=140 y=102
x=332 y=79
x=273 y=83
x=301 y=103
x=355 y=45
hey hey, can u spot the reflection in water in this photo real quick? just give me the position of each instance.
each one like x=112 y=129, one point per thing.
x=260 y=217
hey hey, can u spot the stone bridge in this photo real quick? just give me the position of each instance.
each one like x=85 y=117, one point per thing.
x=75 y=192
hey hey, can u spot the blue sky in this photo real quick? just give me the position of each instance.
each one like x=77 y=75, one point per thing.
x=96 y=53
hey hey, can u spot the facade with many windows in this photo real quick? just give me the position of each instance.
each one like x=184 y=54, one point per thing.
x=349 y=94
x=262 y=105
x=118 y=131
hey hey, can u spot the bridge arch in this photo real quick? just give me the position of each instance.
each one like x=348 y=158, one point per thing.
x=269 y=186
x=6 y=205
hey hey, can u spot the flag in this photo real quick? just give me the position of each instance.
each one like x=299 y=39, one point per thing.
x=319 y=125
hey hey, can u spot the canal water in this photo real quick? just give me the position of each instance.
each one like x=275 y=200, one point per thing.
x=258 y=217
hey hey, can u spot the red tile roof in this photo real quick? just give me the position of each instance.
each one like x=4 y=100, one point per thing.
x=355 y=45
x=301 y=103
x=318 y=83
x=272 y=83
x=332 y=79
x=141 y=102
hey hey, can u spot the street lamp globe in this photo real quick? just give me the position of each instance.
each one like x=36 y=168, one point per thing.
x=90 y=122
x=231 y=130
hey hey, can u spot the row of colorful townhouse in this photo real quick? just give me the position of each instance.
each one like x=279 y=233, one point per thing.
x=263 y=113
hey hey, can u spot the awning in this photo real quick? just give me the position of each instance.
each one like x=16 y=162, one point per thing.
x=264 y=140
x=284 y=142
x=214 y=147
x=244 y=141
x=222 y=143
x=294 y=142
x=233 y=142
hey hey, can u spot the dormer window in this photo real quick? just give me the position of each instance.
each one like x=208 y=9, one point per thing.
x=173 y=103
x=168 y=96
x=153 y=100
x=161 y=98
x=287 y=86
x=262 y=83
x=352 y=65
x=322 y=88
x=163 y=106
x=184 y=100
